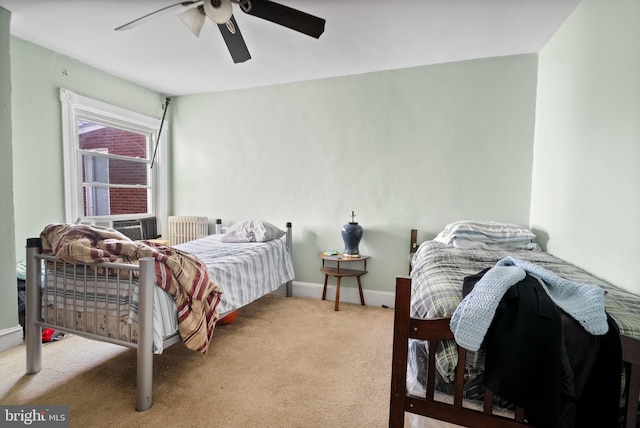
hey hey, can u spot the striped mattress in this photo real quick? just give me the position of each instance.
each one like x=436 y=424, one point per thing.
x=72 y=293
x=244 y=271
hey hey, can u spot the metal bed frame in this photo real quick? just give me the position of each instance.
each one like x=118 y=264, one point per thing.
x=146 y=281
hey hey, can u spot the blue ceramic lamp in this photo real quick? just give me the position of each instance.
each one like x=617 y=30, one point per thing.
x=351 y=235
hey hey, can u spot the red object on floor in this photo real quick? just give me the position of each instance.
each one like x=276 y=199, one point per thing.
x=229 y=318
x=46 y=334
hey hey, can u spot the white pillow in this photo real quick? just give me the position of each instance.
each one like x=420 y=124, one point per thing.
x=507 y=234
x=252 y=231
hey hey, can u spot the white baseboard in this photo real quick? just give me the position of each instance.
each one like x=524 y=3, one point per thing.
x=10 y=338
x=347 y=294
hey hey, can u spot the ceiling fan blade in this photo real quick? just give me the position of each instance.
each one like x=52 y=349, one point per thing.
x=194 y=19
x=285 y=16
x=234 y=40
x=157 y=13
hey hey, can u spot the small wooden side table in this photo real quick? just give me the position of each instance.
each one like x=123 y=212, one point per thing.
x=338 y=272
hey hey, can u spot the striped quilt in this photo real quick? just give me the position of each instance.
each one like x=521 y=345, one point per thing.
x=244 y=271
x=438 y=273
x=181 y=274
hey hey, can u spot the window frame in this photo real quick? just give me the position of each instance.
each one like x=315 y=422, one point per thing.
x=75 y=107
x=89 y=169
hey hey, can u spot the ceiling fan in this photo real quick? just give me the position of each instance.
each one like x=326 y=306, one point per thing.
x=221 y=13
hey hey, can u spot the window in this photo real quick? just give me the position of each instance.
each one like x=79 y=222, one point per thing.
x=110 y=172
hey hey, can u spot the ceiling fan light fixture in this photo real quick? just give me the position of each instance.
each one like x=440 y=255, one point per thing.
x=219 y=11
x=194 y=20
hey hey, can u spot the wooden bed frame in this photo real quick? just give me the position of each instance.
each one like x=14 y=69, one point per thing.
x=144 y=345
x=436 y=330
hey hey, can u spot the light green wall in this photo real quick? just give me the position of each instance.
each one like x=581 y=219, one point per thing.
x=586 y=175
x=37 y=75
x=412 y=148
x=31 y=108
x=8 y=291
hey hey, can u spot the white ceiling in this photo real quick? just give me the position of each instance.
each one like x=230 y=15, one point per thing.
x=360 y=36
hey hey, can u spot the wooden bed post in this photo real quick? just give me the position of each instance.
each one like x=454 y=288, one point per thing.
x=631 y=356
x=289 y=287
x=144 y=373
x=33 y=307
x=400 y=351
x=413 y=246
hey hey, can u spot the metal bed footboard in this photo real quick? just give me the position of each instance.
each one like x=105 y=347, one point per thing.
x=35 y=321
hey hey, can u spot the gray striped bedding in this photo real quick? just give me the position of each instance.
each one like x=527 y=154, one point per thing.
x=438 y=271
x=244 y=271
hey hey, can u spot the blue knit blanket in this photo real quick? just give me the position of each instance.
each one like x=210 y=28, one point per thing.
x=472 y=317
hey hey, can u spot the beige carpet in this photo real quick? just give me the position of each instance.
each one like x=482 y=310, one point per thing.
x=283 y=363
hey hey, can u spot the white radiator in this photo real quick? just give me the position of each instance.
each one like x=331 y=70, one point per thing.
x=184 y=228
